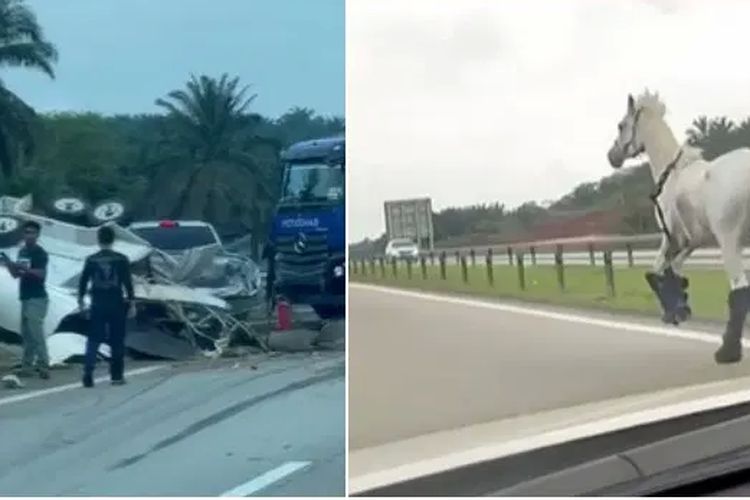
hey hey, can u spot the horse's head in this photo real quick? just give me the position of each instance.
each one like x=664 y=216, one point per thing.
x=628 y=143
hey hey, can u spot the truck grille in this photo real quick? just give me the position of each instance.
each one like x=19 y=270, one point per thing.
x=302 y=260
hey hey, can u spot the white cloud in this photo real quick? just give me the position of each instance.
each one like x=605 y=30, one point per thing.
x=474 y=100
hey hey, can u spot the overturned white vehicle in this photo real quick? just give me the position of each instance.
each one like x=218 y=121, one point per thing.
x=177 y=317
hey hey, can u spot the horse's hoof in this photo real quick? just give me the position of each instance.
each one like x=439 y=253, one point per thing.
x=728 y=354
x=670 y=318
x=683 y=314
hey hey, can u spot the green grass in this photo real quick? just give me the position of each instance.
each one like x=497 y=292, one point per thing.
x=585 y=286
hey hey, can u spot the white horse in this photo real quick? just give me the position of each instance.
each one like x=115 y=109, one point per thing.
x=700 y=200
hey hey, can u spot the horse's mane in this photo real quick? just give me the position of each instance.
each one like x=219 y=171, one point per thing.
x=690 y=154
x=651 y=102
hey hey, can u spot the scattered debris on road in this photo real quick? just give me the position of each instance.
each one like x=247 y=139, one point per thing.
x=12 y=382
x=204 y=302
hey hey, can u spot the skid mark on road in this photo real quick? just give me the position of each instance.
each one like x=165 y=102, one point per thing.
x=539 y=312
x=265 y=480
x=76 y=385
x=229 y=412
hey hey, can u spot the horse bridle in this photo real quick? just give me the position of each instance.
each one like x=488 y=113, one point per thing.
x=631 y=142
x=654 y=196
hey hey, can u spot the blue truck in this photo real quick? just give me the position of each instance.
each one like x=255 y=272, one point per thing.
x=307 y=240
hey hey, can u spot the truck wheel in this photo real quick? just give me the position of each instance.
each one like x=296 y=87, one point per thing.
x=330 y=312
x=10 y=231
x=69 y=209
x=108 y=211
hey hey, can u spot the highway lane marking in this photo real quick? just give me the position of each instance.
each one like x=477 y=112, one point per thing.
x=76 y=385
x=265 y=480
x=512 y=447
x=673 y=332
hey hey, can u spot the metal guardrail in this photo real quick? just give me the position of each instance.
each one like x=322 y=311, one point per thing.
x=626 y=250
x=605 y=251
x=600 y=242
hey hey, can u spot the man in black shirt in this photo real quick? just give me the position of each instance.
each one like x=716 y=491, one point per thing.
x=109 y=274
x=30 y=269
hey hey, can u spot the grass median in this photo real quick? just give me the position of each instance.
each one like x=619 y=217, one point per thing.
x=585 y=286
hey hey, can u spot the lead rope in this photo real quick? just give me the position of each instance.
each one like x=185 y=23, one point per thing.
x=654 y=196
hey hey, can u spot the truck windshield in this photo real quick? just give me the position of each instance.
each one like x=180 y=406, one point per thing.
x=313 y=182
x=177 y=238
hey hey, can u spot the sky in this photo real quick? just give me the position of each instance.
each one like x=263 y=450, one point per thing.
x=119 y=56
x=480 y=101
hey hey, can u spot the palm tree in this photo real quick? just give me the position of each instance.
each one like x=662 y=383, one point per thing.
x=22 y=44
x=698 y=132
x=743 y=133
x=215 y=166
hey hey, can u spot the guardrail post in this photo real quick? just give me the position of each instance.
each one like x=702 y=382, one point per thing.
x=473 y=257
x=592 y=257
x=629 y=248
x=521 y=272
x=408 y=267
x=382 y=267
x=609 y=273
x=372 y=266
x=559 y=267
x=490 y=270
x=464 y=270
x=352 y=266
x=443 y=256
x=423 y=263
x=458 y=257
x=432 y=258
x=363 y=265
x=510 y=256
x=394 y=267
x=532 y=251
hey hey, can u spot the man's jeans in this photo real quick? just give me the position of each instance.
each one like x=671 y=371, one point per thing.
x=33 y=312
x=107 y=325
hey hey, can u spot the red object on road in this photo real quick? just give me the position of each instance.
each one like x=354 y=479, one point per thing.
x=283 y=315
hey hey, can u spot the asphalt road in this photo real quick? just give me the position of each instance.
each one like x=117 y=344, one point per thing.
x=420 y=365
x=265 y=426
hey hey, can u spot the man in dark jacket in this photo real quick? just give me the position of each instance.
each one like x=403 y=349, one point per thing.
x=109 y=274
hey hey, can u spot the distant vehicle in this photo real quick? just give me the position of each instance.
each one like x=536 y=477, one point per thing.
x=308 y=231
x=402 y=248
x=176 y=236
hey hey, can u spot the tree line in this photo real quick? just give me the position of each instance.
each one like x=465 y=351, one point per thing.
x=205 y=154
x=624 y=194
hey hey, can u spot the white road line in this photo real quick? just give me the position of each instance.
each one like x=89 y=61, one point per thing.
x=539 y=312
x=265 y=480
x=555 y=437
x=77 y=385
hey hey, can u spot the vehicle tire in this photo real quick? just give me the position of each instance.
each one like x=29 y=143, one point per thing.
x=71 y=209
x=108 y=211
x=10 y=231
x=325 y=312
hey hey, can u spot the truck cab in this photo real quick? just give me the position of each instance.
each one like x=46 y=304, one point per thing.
x=308 y=231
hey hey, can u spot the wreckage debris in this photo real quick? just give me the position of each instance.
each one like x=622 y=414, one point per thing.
x=199 y=301
x=12 y=382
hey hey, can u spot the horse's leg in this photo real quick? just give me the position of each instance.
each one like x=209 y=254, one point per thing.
x=676 y=285
x=739 y=298
x=667 y=286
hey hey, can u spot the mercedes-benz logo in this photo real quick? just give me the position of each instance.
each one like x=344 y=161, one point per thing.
x=300 y=244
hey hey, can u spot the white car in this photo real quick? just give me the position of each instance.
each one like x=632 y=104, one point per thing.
x=402 y=248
